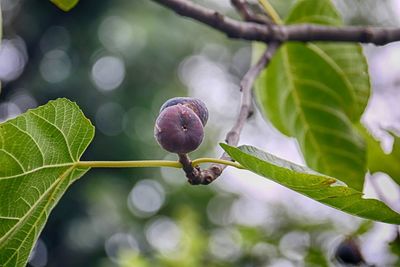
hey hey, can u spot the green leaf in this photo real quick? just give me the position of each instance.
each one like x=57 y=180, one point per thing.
x=319 y=187
x=363 y=228
x=314 y=92
x=394 y=246
x=38 y=153
x=316 y=257
x=315 y=12
x=65 y=5
x=1 y=32
x=378 y=160
x=347 y=59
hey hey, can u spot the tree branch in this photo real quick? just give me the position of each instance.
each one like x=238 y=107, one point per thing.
x=281 y=33
x=246 y=84
x=197 y=176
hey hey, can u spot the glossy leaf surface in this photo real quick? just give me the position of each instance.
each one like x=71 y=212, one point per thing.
x=319 y=187
x=315 y=92
x=38 y=155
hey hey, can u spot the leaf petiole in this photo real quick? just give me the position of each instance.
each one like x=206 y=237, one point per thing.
x=271 y=11
x=218 y=161
x=129 y=164
x=152 y=163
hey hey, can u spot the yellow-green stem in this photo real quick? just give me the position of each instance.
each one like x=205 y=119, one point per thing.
x=130 y=164
x=218 y=161
x=152 y=163
x=271 y=11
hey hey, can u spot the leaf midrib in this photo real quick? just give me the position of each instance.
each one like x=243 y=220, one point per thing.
x=297 y=105
x=34 y=226
x=261 y=165
x=32 y=208
x=38 y=169
x=320 y=52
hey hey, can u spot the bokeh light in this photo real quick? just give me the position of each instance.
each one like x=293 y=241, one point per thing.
x=108 y=73
x=38 y=256
x=13 y=57
x=109 y=118
x=118 y=244
x=164 y=235
x=146 y=198
x=55 y=37
x=225 y=244
x=294 y=245
x=218 y=210
x=55 y=66
x=121 y=36
x=8 y=110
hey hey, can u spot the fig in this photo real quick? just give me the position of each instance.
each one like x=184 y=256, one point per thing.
x=198 y=106
x=178 y=129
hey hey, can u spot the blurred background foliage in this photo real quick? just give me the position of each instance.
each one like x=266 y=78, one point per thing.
x=120 y=60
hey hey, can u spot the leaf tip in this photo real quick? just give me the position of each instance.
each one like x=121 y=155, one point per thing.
x=223 y=145
x=65 y=5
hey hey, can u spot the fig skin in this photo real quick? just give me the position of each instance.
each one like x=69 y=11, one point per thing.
x=198 y=106
x=178 y=129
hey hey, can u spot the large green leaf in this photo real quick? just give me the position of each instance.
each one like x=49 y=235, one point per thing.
x=65 y=5
x=315 y=92
x=378 y=160
x=347 y=59
x=38 y=155
x=319 y=187
x=1 y=32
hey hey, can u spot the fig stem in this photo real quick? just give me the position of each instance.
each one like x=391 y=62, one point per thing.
x=152 y=163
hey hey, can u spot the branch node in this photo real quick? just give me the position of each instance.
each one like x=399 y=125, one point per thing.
x=267 y=32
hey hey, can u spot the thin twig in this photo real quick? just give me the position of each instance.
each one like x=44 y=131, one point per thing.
x=247 y=14
x=232 y=137
x=281 y=33
x=197 y=176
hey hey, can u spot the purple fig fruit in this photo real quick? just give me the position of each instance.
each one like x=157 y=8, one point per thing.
x=194 y=104
x=178 y=129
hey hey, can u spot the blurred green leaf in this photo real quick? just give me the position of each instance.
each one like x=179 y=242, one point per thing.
x=316 y=258
x=38 y=152
x=321 y=188
x=193 y=242
x=378 y=160
x=65 y=5
x=394 y=246
x=314 y=92
x=363 y=228
x=1 y=32
x=132 y=258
